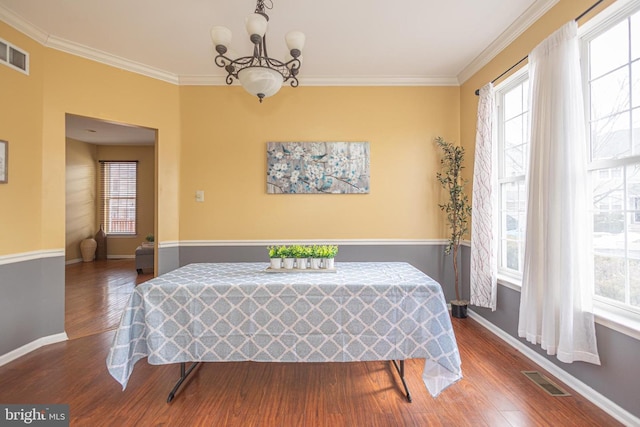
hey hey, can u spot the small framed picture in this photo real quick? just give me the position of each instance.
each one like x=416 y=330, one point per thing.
x=4 y=155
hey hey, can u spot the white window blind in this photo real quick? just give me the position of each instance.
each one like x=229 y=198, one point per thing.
x=118 y=182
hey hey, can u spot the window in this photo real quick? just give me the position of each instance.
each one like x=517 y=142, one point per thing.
x=612 y=88
x=118 y=197
x=513 y=129
x=611 y=74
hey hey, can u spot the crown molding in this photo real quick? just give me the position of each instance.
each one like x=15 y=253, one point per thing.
x=109 y=59
x=87 y=52
x=519 y=26
x=25 y=27
x=379 y=81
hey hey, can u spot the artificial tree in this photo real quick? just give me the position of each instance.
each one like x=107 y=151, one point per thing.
x=457 y=209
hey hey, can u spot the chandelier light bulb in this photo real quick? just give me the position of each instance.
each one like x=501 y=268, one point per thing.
x=221 y=36
x=295 y=41
x=256 y=24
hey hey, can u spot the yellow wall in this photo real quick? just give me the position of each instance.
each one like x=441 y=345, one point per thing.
x=214 y=139
x=223 y=149
x=80 y=198
x=126 y=246
x=21 y=125
x=79 y=86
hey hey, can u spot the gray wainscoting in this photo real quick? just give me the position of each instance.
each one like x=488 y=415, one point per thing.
x=616 y=379
x=32 y=302
x=168 y=259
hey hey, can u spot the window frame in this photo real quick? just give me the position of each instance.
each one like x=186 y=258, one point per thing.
x=621 y=316
x=507 y=277
x=104 y=197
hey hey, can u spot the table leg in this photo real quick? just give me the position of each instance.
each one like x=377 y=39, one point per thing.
x=183 y=376
x=400 y=370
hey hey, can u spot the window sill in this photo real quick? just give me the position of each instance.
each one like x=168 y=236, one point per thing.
x=622 y=321
x=510 y=282
x=122 y=236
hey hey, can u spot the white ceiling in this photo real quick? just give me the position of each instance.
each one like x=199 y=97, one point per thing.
x=348 y=41
x=101 y=132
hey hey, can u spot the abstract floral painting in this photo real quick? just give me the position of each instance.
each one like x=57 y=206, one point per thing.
x=318 y=167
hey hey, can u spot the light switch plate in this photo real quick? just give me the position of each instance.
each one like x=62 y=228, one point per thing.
x=199 y=196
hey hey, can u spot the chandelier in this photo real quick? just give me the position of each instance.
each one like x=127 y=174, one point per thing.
x=259 y=74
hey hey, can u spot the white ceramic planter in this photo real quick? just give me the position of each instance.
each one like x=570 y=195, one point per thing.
x=276 y=263
x=315 y=263
x=328 y=263
x=287 y=263
x=301 y=263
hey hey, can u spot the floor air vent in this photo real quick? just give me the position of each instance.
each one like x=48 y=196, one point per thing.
x=545 y=383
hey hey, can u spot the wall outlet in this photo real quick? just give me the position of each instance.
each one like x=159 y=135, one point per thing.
x=199 y=196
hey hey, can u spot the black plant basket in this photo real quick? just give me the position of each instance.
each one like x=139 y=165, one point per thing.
x=459 y=311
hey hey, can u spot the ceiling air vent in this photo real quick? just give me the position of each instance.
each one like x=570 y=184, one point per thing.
x=14 y=57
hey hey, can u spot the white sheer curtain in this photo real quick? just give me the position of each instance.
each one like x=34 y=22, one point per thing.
x=484 y=263
x=557 y=287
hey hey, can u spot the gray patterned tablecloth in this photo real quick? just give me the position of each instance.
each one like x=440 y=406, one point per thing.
x=238 y=311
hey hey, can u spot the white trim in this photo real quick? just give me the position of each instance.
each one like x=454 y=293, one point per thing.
x=30 y=256
x=368 y=242
x=610 y=16
x=120 y=256
x=379 y=81
x=509 y=282
x=109 y=59
x=618 y=319
x=23 y=26
x=33 y=345
x=90 y=53
x=169 y=244
x=73 y=261
x=586 y=391
x=514 y=31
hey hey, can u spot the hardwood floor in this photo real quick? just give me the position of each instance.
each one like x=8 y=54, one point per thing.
x=95 y=294
x=492 y=393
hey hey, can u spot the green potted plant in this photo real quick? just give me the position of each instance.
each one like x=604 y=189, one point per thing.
x=299 y=252
x=275 y=257
x=288 y=257
x=149 y=240
x=316 y=259
x=457 y=209
x=328 y=254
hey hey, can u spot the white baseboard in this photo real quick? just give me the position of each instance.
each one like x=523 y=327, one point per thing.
x=610 y=407
x=33 y=345
x=120 y=256
x=73 y=261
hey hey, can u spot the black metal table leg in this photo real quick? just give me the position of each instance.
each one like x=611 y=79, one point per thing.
x=183 y=376
x=400 y=370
